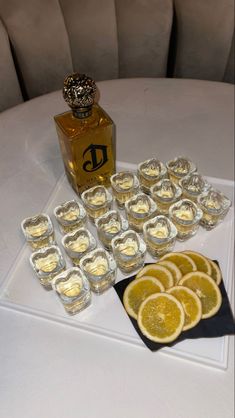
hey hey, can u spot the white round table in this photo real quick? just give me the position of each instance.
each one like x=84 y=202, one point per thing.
x=51 y=370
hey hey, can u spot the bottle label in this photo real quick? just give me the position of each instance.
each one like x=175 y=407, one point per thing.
x=96 y=156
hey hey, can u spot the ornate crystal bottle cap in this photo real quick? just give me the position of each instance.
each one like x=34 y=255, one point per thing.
x=79 y=92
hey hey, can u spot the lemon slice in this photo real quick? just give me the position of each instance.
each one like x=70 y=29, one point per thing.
x=206 y=289
x=215 y=272
x=161 y=317
x=183 y=262
x=201 y=262
x=191 y=304
x=137 y=291
x=160 y=272
x=175 y=271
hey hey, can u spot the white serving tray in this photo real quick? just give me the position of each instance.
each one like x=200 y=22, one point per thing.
x=106 y=317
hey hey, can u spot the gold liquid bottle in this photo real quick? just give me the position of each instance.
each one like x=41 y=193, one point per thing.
x=85 y=135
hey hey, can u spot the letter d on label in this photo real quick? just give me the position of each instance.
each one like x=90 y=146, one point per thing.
x=98 y=157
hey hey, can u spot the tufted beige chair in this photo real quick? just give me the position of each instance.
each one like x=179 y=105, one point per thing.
x=41 y=41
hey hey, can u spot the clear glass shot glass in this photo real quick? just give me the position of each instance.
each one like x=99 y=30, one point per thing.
x=100 y=268
x=47 y=263
x=215 y=206
x=124 y=185
x=38 y=231
x=186 y=216
x=159 y=235
x=139 y=209
x=150 y=172
x=109 y=225
x=179 y=168
x=165 y=193
x=97 y=201
x=77 y=244
x=193 y=186
x=129 y=251
x=73 y=290
x=70 y=216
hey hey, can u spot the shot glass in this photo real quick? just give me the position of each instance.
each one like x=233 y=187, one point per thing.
x=109 y=225
x=73 y=290
x=140 y=209
x=165 y=193
x=150 y=172
x=77 y=244
x=47 y=263
x=97 y=201
x=215 y=206
x=100 y=269
x=186 y=216
x=129 y=251
x=193 y=186
x=179 y=168
x=159 y=235
x=70 y=216
x=124 y=185
x=38 y=231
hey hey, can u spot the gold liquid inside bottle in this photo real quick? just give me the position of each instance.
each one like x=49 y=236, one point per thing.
x=85 y=135
x=87 y=148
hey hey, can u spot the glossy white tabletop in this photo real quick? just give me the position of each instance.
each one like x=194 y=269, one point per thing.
x=51 y=370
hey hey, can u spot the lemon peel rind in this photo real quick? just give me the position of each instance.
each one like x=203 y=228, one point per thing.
x=218 y=272
x=180 y=254
x=213 y=311
x=172 y=267
x=156 y=267
x=194 y=255
x=197 y=301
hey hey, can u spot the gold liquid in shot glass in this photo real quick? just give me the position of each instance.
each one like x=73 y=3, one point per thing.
x=150 y=172
x=100 y=269
x=38 y=231
x=77 y=244
x=129 y=251
x=179 y=168
x=165 y=193
x=186 y=216
x=193 y=186
x=73 y=290
x=97 y=201
x=109 y=225
x=140 y=209
x=214 y=205
x=159 y=235
x=124 y=185
x=70 y=216
x=47 y=263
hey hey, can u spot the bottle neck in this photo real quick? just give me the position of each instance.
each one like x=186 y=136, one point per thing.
x=82 y=112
